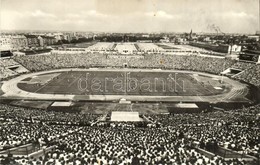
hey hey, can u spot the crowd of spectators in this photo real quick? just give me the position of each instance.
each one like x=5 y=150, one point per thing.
x=28 y=115
x=243 y=65
x=251 y=75
x=191 y=62
x=9 y=68
x=237 y=129
x=4 y=70
x=170 y=139
x=194 y=63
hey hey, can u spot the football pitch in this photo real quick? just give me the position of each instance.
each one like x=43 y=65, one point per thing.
x=124 y=82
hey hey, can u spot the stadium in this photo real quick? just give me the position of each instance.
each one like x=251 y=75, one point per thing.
x=187 y=104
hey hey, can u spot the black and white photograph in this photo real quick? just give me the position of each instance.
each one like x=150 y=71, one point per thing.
x=130 y=82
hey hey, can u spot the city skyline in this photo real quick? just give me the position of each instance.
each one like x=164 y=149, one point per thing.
x=232 y=16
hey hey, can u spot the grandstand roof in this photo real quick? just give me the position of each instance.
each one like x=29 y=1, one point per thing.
x=32 y=52
x=257 y=52
x=30 y=36
x=5 y=53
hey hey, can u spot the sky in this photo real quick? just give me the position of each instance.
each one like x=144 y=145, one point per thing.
x=228 y=16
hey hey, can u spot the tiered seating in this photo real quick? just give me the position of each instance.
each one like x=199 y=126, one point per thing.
x=169 y=140
x=9 y=68
x=5 y=63
x=243 y=65
x=196 y=63
x=251 y=75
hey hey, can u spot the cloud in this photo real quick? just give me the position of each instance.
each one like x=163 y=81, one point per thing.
x=160 y=14
x=27 y=14
x=235 y=14
x=130 y=15
x=86 y=14
x=95 y=13
x=72 y=15
x=39 y=13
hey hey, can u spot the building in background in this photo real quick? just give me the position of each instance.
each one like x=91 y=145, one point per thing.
x=68 y=36
x=165 y=39
x=6 y=42
x=19 y=42
x=234 y=49
x=32 y=41
x=41 y=41
x=254 y=37
x=46 y=40
x=58 y=36
x=221 y=48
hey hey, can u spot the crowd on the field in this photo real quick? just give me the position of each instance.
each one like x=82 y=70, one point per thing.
x=170 y=140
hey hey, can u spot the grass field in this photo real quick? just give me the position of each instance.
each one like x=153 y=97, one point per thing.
x=124 y=83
